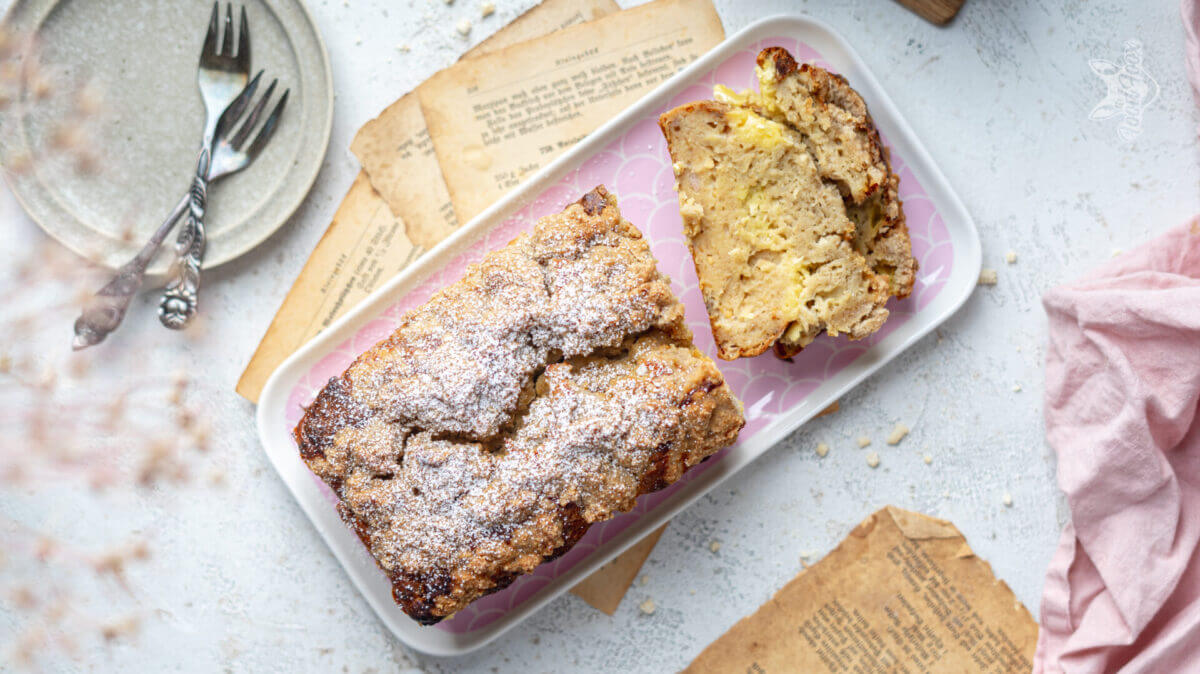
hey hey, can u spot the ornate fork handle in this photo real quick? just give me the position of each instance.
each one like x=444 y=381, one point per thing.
x=105 y=310
x=179 y=298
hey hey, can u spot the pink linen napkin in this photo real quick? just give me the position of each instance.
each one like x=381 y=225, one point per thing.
x=1122 y=392
x=1190 y=10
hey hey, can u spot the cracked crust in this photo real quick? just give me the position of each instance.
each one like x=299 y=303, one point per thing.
x=542 y=393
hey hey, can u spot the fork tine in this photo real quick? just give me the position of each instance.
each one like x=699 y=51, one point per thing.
x=237 y=107
x=243 y=51
x=227 y=40
x=240 y=137
x=210 y=40
x=268 y=127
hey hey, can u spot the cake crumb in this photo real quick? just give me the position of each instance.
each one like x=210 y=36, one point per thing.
x=1011 y=257
x=928 y=459
x=1116 y=252
x=358 y=40
x=822 y=449
x=487 y=9
x=897 y=434
x=987 y=276
x=714 y=546
x=643 y=580
x=833 y=407
x=1007 y=498
x=647 y=607
x=464 y=27
x=873 y=459
x=692 y=591
x=1016 y=388
x=403 y=48
x=863 y=441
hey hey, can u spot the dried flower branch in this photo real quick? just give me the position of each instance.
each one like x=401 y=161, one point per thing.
x=71 y=426
x=26 y=83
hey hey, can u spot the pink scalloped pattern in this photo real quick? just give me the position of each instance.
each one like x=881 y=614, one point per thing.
x=638 y=168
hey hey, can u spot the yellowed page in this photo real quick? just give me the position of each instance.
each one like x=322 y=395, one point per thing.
x=394 y=148
x=364 y=246
x=395 y=151
x=497 y=118
x=608 y=584
x=542 y=19
x=903 y=593
x=332 y=263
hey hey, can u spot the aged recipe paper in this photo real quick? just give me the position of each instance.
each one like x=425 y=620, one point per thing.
x=340 y=272
x=498 y=118
x=332 y=268
x=395 y=149
x=606 y=587
x=903 y=594
x=364 y=246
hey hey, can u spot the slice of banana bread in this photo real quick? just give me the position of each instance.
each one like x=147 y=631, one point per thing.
x=838 y=130
x=803 y=157
x=541 y=393
x=771 y=241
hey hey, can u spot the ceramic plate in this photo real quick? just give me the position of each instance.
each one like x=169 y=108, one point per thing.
x=629 y=156
x=140 y=58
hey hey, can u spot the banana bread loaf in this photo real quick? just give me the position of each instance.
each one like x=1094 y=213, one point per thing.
x=543 y=392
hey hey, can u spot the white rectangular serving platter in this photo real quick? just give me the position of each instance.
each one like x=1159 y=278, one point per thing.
x=779 y=397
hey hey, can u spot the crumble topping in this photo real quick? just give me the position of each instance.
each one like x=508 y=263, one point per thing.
x=541 y=393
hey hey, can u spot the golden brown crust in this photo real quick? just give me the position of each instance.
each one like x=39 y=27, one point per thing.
x=786 y=351
x=832 y=117
x=540 y=394
x=781 y=59
x=882 y=235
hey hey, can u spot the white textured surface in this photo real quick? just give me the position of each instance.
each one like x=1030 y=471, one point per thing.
x=1001 y=99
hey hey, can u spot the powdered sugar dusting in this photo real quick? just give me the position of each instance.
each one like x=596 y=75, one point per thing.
x=544 y=391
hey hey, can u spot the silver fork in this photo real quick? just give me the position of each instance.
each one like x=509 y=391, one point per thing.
x=221 y=76
x=178 y=303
